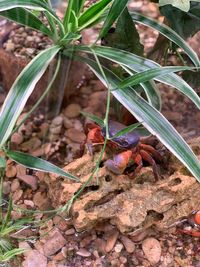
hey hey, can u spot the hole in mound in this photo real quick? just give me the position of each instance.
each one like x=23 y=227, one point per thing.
x=75 y=215
x=101 y=164
x=175 y=181
x=88 y=189
x=104 y=199
x=108 y=178
x=94 y=187
x=156 y=216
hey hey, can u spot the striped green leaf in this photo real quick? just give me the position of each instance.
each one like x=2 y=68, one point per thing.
x=37 y=164
x=92 y=13
x=94 y=118
x=127 y=130
x=147 y=75
x=40 y=5
x=21 y=90
x=169 y=33
x=27 y=18
x=139 y=64
x=152 y=119
x=151 y=91
x=114 y=12
x=153 y=94
x=30 y=4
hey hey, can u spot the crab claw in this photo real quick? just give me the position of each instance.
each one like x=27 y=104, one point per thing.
x=197 y=217
x=119 y=162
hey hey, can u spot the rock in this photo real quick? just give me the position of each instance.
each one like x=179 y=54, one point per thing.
x=70 y=231
x=17 y=195
x=72 y=111
x=128 y=244
x=83 y=253
x=15 y=185
x=111 y=240
x=29 y=203
x=67 y=123
x=51 y=264
x=118 y=247
x=42 y=201
x=10 y=46
x=55 y=129
x=54 y=243
x=100 y=244
x=21 y=170
x=6 y=188
x=57 y=121
x=152 y=250
x=31 y=144
x=35 y=259
x=58 y=257
x=30 y=180
x=25 y=245
x=117 y=197
x=17 y=138
x=75 y=135
x=11 y=171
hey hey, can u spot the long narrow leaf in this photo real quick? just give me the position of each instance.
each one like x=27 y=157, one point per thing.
x=153 y=120
x=116 y=9
x=27 y=18
x=153 y=94
x=169 y=33
x=30 y=4
x=92 y=13
x=68 y=14
x=37 y=164
x=151 y=91
x=126 y=130
x=94 y=118
x=138 y=64
x=147 y=75
x=21 y=90
x=40 y=5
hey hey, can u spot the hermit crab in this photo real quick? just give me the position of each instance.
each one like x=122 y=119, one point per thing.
x=130 y=145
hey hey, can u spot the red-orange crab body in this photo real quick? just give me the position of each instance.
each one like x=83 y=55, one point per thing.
x=130 y=145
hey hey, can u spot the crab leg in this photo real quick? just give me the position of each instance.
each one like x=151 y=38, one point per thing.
x=146 y=156
x=152 y=151
x=138 y=160
x=189 y=232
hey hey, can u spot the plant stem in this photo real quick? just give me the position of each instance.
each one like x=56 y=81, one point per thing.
x=180 y=57
x=70 y=202
x=2 y=172
x=42 y=96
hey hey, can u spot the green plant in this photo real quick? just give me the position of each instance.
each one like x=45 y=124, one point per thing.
x=7 y=227
x=124 y=52
x=65 y=34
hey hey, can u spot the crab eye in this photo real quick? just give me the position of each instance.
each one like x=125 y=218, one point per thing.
x=124 y=143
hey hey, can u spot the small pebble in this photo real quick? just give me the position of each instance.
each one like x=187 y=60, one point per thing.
x=15 y=185
x=152 y=250
x=72 y=111
x=75 y=135
x=118 y=247
x=6 y=188
x=83 y=253
x=128 y=243
x=70 y=231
